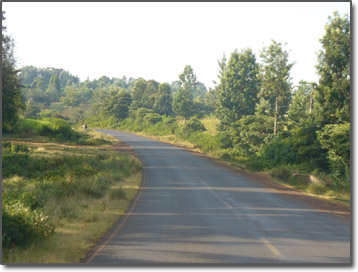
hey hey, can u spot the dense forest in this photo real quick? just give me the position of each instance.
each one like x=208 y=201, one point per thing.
x=264 y=121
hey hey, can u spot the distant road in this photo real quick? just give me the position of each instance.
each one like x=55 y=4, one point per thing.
x=192 y=210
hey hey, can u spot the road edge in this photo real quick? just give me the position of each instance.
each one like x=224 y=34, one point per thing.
x=329 y=206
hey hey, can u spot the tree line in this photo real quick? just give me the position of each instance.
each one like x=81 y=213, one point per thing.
x=262 y=115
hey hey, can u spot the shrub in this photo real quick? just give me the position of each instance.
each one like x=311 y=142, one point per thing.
x=318 y=189
x=51 y=127
x=205 y=142
x=336 y=139
x=249 y=134
x=255 y=163
x=152 y=118
x=281 y=172
x=117 y=193
x=192 y=126
x=21 y=225
x=15 y=148
x=224 y=140
x=280 y=153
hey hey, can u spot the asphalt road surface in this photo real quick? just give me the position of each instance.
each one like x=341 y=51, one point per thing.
x=192 y=210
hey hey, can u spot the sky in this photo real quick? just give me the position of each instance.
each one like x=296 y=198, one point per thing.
x=156 y=40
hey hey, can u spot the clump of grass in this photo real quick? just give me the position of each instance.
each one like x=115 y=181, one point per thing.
x=117 y=193
x=281 y=172
x=318 y=189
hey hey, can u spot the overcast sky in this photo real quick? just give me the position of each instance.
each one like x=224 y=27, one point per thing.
x=156 y=40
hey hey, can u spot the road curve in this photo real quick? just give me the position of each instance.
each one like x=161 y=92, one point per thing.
x=194 y=211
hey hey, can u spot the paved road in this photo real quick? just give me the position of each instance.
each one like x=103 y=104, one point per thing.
x=192 y=210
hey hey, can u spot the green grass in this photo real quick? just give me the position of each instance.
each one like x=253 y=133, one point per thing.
x=81 y=190
x=210 y=124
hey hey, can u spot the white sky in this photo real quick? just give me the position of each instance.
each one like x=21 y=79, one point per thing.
x=156 y=40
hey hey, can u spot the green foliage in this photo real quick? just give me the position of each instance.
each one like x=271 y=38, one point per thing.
x=117 y=193
x=281 y=172
x=333 y=92
x=239 y=87
x=299 y=107
x=249 y=134
x=53 y=91
x=152 y=119
x=54 y=128
x=163 y=100
x=275 y=77
x=280 y=153
x=170 y=123
x=255 y=163
x=117 y=104
x=31 y=181
x=336 y=139
x=74 y=96
x=184 y=99
x=15 y=148
x=143 y=93
x=21 y=225
x=309 y=151
x=192 y=126
x=12 y=99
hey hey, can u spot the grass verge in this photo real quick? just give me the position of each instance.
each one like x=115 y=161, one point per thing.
x=80 y=190
x=320 y=191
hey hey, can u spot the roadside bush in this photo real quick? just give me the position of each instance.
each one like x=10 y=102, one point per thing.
x=224 y=140
x=255 y=163
x=55 y=128
x=170 y=123
x=249 y=134
x=117 y=193
x=21 y=225
x=336 y=139
x=192 y=126
x=15 y=148
x=151 y=119
x=205 y=142
x=280 y=153
x=281 y=172
x=319 y=189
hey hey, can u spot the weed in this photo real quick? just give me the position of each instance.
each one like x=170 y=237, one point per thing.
x=281 y=172
x=117 y=193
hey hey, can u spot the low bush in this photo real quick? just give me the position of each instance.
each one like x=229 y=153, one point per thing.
x=21 y=225
x=280 y=153
x=255 y=163
x=192 y=126
x=117 y=193
x=281 y=172
x=55 y=128
x=318 y=189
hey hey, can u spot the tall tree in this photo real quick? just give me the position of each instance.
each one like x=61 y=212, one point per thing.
x=184 y=100
x=12 y=100
x=117 y=104
x=333 y=92
x=239 y=87
x=300 y=105
x=53 y=90
x=275 y=79
x=163 y=101
x=138 y=93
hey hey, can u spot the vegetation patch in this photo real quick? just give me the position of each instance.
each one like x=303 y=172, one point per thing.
x=58 y=200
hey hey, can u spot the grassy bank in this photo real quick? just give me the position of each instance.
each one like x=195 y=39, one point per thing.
x=59 y=199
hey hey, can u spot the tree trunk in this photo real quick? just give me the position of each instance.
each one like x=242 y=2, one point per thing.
x=311 y=102
x=276 y=114
x=184 y=120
